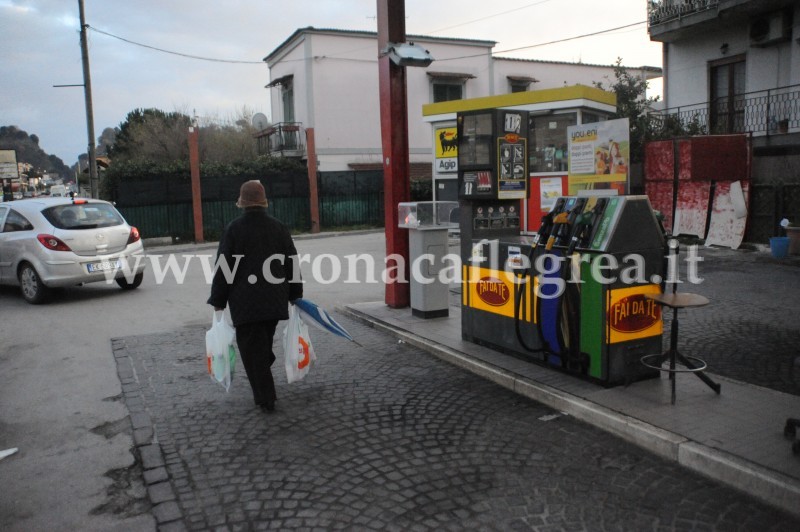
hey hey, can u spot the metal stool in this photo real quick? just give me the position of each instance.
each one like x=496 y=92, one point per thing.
x=695 y=365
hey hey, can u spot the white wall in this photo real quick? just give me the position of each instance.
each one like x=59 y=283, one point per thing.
x=687 y=64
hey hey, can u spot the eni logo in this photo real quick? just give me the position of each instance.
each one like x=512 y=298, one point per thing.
x=633 y=314
x=493 y=291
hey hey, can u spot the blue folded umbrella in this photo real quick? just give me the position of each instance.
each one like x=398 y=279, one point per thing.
x=316 y=315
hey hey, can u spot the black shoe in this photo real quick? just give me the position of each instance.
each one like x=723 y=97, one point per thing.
x=269 y=406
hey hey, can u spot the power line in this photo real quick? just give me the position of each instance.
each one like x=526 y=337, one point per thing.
x=573 y=38
x=548 y=43
x=190 y=56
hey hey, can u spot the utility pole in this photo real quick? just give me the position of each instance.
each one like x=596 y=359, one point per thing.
x=87 y=91
x=394 y=135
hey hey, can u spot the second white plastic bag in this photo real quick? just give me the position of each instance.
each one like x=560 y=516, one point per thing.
x=297 y=349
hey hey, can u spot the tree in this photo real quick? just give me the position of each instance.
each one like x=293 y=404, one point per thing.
x=228 y=141
x=645 y=124
x=157 y=136
x=633 y=104
x=152 y=134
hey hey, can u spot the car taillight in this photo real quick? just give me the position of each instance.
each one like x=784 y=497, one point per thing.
x=53 y=243
x=134 y=236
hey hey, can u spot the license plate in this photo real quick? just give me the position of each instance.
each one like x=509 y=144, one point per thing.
x=103 y=266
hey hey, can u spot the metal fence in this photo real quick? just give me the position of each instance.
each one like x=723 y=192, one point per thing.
x=769 y=204
x=346 y=199
x=351 y=210
x=660 y=11
x=176 y=220
x=768 y=112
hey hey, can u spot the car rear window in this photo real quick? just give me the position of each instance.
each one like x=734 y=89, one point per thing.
x=83 y=216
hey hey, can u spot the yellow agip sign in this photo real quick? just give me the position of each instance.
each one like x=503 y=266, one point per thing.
x=446 y=141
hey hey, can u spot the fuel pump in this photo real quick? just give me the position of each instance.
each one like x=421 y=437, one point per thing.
x=606 y=322
x=492 y=179
x=550 y=309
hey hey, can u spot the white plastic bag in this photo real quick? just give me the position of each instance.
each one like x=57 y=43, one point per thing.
x=297 y=349
x=220 y=353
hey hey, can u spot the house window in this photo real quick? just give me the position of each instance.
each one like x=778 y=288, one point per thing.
x=287 y=97
x=727 y=95
x=448 y=86
x=445 y=92
x=520 y=83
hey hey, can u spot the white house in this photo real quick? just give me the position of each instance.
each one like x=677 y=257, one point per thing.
x=328 y=79
x=733 y=66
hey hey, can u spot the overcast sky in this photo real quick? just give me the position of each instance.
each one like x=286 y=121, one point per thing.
x=40 y=47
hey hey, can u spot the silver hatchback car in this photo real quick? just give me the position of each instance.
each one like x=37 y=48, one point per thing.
x=55 y=242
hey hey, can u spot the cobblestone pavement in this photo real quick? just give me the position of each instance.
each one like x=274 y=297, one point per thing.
x=387 y=437
x=750 y=331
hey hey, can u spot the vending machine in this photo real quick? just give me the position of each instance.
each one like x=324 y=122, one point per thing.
x=574 y=295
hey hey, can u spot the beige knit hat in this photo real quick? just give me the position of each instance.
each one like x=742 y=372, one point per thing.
x=252 y=195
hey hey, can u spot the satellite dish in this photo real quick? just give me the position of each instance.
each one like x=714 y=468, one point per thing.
x=260 y=121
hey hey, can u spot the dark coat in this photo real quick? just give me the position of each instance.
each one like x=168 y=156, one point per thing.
x=255 y=295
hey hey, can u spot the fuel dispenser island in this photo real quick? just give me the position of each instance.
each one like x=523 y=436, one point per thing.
x=572 y=296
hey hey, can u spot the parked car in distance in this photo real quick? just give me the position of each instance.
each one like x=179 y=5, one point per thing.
x=56 y=242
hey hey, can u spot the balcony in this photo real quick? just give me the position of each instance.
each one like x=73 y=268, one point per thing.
x=284 y=139
x=762 y=113
x=661 y=11
x=672 y=20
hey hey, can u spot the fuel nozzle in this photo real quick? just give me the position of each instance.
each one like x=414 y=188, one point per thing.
x=582 y=222
x=544 y=229
x=561 y=218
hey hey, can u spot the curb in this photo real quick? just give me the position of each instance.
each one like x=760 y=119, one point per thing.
x=147 y=451
x=770 y=487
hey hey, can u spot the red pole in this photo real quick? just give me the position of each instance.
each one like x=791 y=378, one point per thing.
x=197 y=204
x=311 y=150
x=394 y=135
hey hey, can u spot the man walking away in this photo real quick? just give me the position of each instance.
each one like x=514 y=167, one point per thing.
x=261 y=253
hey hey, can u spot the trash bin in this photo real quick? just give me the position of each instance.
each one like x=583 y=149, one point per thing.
x=779 y=245
x=428 y=223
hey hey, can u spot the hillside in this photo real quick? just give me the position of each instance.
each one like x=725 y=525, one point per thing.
x=28 y=151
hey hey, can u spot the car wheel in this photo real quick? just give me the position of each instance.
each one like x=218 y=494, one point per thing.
x=33 y=289
x=130 y=285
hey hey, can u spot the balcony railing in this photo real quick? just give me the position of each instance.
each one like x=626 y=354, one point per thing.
x=660 y=11
x=768 y=112
x=284 y=138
